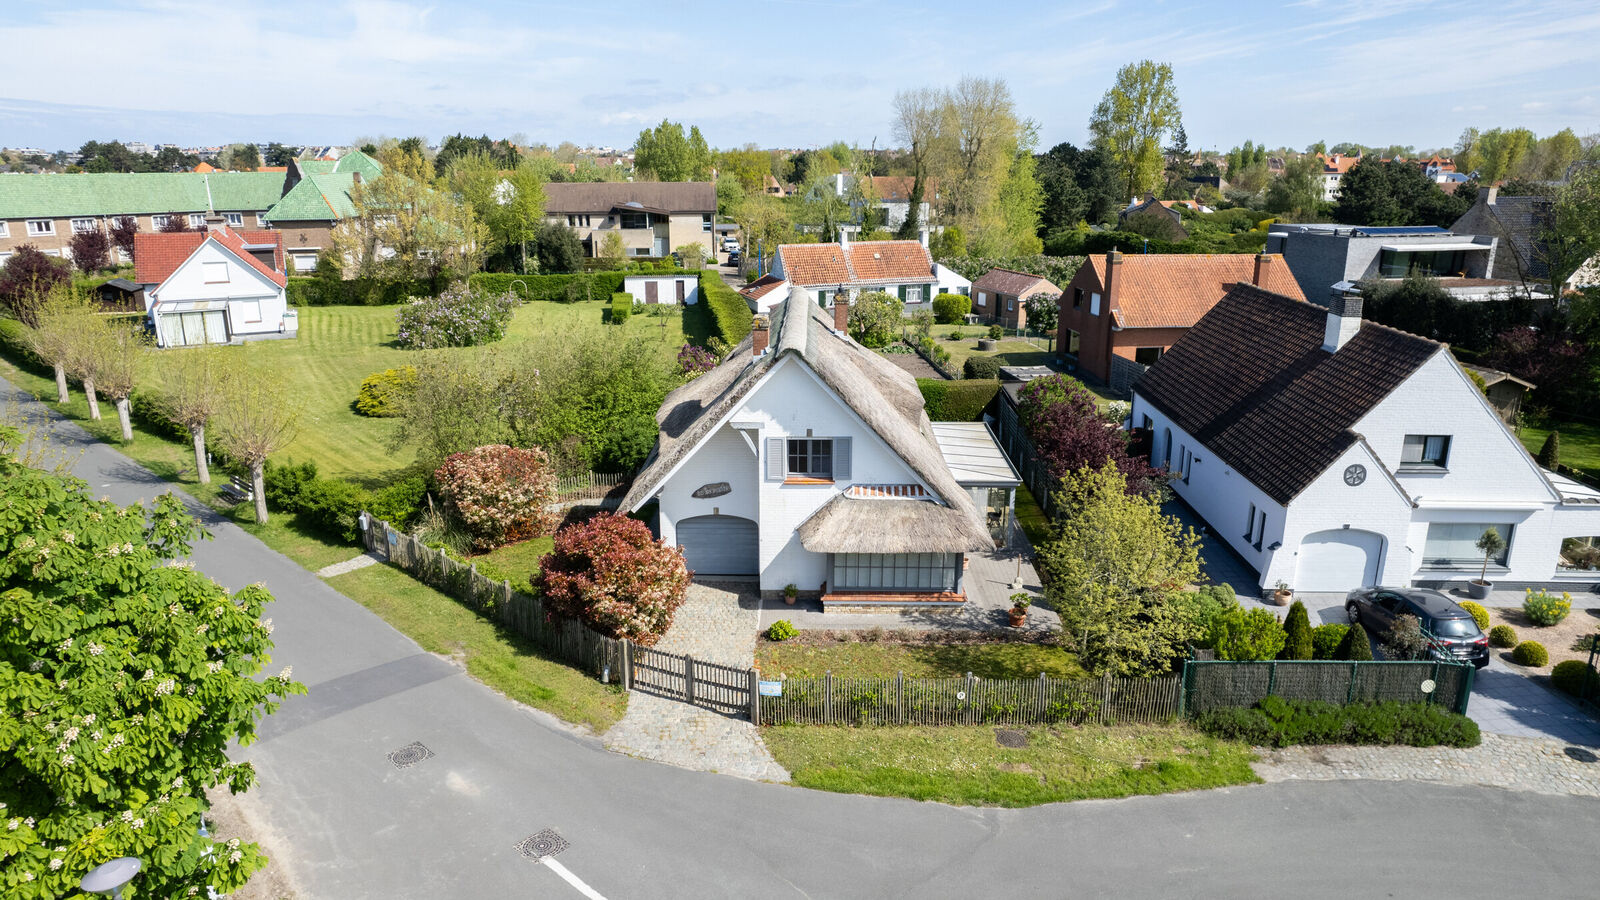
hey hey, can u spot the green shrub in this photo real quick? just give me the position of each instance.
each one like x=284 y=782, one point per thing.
x=1325 y=640
x=333 y=507
x=730 y=310
x=1531 y=654
x=1543 y=608
x=1240 y=634
x=459 y=317
x=1296 y=633
x=400 y=503
x=1356 y=646
x=951 y=309
x=1576 y=678
x=955 y=335
x=284 y=484
x=621 y=307
x=996 y=332
x=1503 y=636
x=381 y=393
x=15 y=345
x=957 y=401
x=1200 y=606
x=781 y=630
x=1550 y=451
x=1275 y=722
x=1479 y=614
x=982 y=367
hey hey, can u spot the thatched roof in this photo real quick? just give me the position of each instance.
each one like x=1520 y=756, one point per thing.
x=848 y=525
x=882 y=394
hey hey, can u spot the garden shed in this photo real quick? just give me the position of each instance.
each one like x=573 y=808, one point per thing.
x=679 y=289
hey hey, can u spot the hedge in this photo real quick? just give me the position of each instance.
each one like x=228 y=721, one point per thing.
x=315 y=291
x=1275 y=722
x=1574 y=677
x=982 y=366
x=957 y=401
x=621 y=307
x=727 y=307
x=15 y=345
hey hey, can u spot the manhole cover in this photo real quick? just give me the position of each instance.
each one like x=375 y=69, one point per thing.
x=545 y=843
x=410 y=755
x=1581 y=755
x=1010 y=737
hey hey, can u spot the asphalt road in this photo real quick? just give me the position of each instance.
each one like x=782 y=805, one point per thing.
x=354 y=826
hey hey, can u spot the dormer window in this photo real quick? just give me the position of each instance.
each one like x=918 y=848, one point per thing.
x=1425 y=452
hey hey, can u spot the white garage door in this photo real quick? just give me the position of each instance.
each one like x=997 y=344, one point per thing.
x=719 y=545
x=1338 y=560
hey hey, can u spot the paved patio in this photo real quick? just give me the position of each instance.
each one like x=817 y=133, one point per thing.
x=1507 y=701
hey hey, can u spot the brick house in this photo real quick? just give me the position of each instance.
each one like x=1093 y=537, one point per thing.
x=1002 y=295
x=1119 y=313
x=653 y=218
x=316 y=197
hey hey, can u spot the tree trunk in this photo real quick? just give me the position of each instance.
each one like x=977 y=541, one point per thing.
x=202 y=469
x=94 y=401
x=257 y=482
x=123 y=419
x=61 y=383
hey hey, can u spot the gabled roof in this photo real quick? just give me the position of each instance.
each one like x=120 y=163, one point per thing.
x=157 y=255
x=140 y=193
x=354 y=161
x=884 y=396
x=897 y=188
x=761 y=287
x=859 y=262
x=1173 y=290
x=813 y=264
x=562 y=198
x=1010 y=281
x=1252 y=383
x=316 y=198
x=1519 y=221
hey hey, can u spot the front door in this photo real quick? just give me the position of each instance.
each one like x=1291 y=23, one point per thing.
x=650 y=292
x=661 y=246
x=680 y=292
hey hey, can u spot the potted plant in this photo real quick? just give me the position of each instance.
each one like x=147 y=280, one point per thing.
x=1491 y=544
x=790 y=592
x=1281 y=593
x=1019 y=609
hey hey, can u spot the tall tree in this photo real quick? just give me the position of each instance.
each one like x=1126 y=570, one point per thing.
x=119 y=356
x=64 y=316
x=188 y=394
x=257 y=419
x=981 y=127
x=240 y=158
x=509 y=204
x=277 y=155
x=1021 y=198
x=917 y=119
x=559 y=249
x=91 y=250
x=664 y=153
x=1080 y=186
x=403 y=228
x=1133 y=117
x=1394 y=193
x=1298 y=191
x=1569 y=230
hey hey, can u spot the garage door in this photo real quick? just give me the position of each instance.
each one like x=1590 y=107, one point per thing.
x=719 y=545
x=1338 y=560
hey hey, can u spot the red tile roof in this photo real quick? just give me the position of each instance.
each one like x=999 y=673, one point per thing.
x=762 y=286
x=890 y=261
x=811 y=264
x=157 y=255
x=1173 y=290
x=1338 y=163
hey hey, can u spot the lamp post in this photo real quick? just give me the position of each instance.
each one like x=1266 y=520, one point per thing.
x=111 y=877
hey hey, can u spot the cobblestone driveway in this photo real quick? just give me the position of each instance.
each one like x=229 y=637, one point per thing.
x=1520 y=764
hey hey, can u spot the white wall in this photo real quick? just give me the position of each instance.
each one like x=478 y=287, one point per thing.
x=666 y=288
x=1329 y=504
x=951 y=281
x=246 y=286
x=723 y=457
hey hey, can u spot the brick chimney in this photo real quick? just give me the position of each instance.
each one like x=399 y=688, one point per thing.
x=759 y=336
x=1263 y=260
x=215 y=222
x=841 y=312
x=1344 y=321
x=1113 y=262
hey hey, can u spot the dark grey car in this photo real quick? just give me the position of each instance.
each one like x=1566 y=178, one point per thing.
x=1456 y=635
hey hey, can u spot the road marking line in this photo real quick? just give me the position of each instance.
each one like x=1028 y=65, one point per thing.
x=572 y=879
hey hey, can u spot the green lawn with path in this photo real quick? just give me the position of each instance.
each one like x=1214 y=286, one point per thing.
x=882 y=659
x=967 y=765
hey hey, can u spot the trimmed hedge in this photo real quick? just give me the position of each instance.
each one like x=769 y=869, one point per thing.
x=1503 y=636
x=317 y=291
x=1325 y=640
x=1275 y=722
x=982 y=367
x=957 y=401
x=727 y=307
x=1574 y=677
x=621 y=307
x=1531 y=654
x=333 y=506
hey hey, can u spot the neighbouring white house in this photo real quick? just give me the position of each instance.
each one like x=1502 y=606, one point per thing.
x=216 y=286
x=762 y=293
x=652 y=289
x=1332 y=453
x=949 y=281
x=900 y=268
x=807 y=459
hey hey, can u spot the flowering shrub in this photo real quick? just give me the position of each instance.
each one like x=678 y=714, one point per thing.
x=459 y=317
x=1544 y=608
x=611 y=573
x=695 y=361
x=1071 y=433
x=499 y=494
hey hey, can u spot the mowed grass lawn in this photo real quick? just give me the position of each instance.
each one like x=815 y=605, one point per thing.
x=967 y=765
x=1580 y=444
x=877 y=659
x=338 y=346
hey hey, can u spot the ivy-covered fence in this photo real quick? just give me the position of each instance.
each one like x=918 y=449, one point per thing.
x=969 y=700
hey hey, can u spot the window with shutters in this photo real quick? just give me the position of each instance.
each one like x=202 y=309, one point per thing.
x=810 y=458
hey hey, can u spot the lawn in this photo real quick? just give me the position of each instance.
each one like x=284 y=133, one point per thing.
x=1014 y=351
x=1031 y=518
x=515 y=563
x=1580 y=444
x=884 y=659
x=967 y=766
x=495 y=656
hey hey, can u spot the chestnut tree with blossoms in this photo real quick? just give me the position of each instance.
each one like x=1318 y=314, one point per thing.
x=124 y=674
x=611 y=573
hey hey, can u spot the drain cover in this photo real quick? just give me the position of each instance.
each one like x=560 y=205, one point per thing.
x=1581 y=755
x=1010 y=737
x=545 y=843
x=410 y=755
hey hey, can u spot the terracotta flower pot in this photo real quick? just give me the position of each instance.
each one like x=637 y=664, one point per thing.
x=1018 y=618
x=789 y=599
x=1281 y=598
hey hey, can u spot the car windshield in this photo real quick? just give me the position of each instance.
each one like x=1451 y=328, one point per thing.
x=1455 y=628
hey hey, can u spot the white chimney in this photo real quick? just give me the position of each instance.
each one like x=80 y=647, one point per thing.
x=844 y=236
x=1344 y=321
x=838 y=184
x=922 y=237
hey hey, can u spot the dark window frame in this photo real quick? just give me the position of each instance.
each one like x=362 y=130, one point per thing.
x=809 y=458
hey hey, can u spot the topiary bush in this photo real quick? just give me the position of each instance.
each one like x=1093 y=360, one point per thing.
x=499 y=494
x=612 y=574
x=1479 y=614
x=982 y=367
x=1531 y=654
x=382 y=393
x=1240 y=634
x=781 y=630
x=1297 y=633
x=1503 y=636
x=1576 y=678
x=1356 y=646
x=996 y=332
x=621 y=307
x=1325 y=640
x=1544 y=608
x=951 y=309
x=1276 y=722
x=459 y=317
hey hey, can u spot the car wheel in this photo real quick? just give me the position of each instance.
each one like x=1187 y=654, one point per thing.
x=1352 y=612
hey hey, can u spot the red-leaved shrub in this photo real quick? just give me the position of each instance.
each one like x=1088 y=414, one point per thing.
x=499 y=494
x=611 y=573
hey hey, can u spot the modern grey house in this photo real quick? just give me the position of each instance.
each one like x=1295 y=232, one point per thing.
x=1329 y=260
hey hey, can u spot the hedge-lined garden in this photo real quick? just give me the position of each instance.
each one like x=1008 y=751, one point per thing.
x=957 y=401
x=730 y=310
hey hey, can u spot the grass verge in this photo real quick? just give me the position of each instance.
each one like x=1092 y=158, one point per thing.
x=883 y=660
x=494 y=655
x=967 y=766
x=515 y=563
x=1580 y=444
x=1033 y=521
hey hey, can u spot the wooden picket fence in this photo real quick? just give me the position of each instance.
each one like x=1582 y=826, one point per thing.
x=969 y=700
x=594 y=483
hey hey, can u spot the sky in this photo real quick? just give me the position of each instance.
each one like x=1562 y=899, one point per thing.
x=781 y=73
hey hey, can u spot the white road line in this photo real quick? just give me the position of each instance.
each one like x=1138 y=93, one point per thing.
x=571 y=879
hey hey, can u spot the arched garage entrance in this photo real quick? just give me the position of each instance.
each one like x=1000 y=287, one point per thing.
x=720 y=545
x=1338 y=560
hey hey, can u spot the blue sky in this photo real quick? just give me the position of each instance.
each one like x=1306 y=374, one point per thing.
x=795 y=73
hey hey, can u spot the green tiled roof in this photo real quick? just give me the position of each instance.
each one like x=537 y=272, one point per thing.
x=120 y=194
x=354 y=161
x=318 y=197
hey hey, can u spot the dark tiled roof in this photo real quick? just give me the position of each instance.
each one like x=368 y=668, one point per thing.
x=1520 y=217
x=1252 y=383
x=602 y=197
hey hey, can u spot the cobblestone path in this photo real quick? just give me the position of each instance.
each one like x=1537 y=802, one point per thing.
x=712 y=625
x=1518 y=763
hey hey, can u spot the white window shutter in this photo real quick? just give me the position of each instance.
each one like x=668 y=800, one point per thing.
x=775 y=460
x=841 y=459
